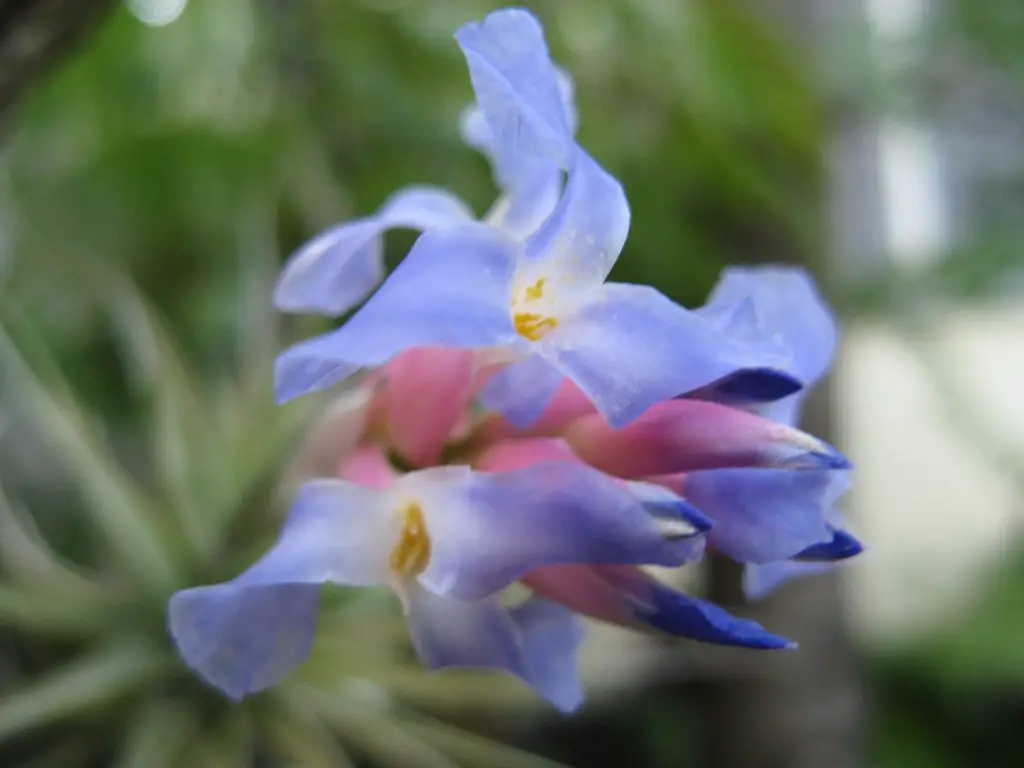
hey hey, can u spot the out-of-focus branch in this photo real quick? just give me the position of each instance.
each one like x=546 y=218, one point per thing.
x=35 y=34
x=803 y=708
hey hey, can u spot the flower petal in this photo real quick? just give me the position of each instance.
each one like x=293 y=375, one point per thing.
x=549 y=513
x=751 y=386
x=631 y=347
x=842 y=546
x=679 y=615
x=517 y=85
x=338 y=268
x=367 y=466
x=578 y=244
x=454 y=633
x=787 y=308
x=426 y=394
x=678 y=519
x=536 y=641
x=683 y=435
x=628 y=597
x=245 y=634
x=551 y=637
x=519 y=453
x=452 y=290
x=523 y=208
x=759 y=581
x=244 y=639
x=521 y=391
x=764 y=515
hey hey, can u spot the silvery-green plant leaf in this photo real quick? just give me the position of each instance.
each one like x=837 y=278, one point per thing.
x=472 y=751
x=102 y=675
x=26 y=558
x=157 y=735
x=53 y=614
x=123 y=514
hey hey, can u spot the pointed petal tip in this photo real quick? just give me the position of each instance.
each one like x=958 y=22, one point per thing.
x=676 y=517
x=805 y=451
x=679 y=615
x=756 y=385
x=842 y=546
x=690 y=514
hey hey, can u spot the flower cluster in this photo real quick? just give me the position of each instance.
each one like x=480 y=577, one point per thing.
x=523 y=421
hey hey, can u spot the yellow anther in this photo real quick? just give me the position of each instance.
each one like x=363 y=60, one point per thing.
x=533 y=326
x=412 y=552
x=535 y=291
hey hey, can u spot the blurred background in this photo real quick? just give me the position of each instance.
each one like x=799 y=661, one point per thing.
x=160 y=159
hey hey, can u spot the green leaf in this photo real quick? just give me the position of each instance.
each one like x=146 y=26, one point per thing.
x=54 y=614
x=471 y=750
x=158 y=735
x=124 y=515
x=187 y=450
x=27 y=559
x=297 y=736
x=91 y=680
x=375 y=733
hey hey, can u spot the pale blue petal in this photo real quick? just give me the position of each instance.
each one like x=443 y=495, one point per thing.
x=759 y=581
x=340 y=267
x=334 y=271
x=244 y=635
x=773 y=305
x=453 y=633
x=785 y=411
x=452 y=290
x=764 y=515
x=523 y=208
x=550 y=513
x=579 y=243
x=517 y=86
x=551 y=636
x=242 y=640
x=521 y=391
x=633 y=347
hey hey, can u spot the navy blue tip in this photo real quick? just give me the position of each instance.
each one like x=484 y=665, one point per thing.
x=679 y=615
x=693 y=516
x=756 y=385
x=832 y=459
x=842 y=547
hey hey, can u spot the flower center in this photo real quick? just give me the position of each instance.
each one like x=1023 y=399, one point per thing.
x=412 y=552
x=529 y=323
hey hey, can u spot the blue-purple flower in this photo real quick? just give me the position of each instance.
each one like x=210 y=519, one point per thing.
x=339 y=268
x=569 y=494
x=782 y=523
x=542 y=302
x=448 y=541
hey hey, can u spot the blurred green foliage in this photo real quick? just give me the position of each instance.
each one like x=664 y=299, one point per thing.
x=151 y=188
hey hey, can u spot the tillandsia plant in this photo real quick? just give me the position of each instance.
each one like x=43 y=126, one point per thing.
x=527 y=423
x=89 y=675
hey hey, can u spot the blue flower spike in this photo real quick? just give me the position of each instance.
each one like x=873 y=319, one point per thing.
x=448 y=541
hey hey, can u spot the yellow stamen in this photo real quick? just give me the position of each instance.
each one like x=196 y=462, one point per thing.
x=412 y=552
x=532 y=325
x=535 y=291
